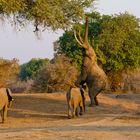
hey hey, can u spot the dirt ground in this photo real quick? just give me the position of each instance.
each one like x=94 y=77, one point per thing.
x=44 y=117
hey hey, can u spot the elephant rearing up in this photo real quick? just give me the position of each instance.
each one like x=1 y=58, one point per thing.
x=91 y=73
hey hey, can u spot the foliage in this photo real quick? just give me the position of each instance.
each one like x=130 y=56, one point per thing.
x=115 y=40
x=47 y=13
x=9 y=70
x=19 y=86
x=59 y=75
x=30 y=69
x=119 y=42
x=70 y=48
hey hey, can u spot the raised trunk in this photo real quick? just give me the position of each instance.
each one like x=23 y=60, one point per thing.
x=91 y=73
x=86 y=33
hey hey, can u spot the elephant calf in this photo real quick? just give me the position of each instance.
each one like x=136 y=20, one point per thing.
x=75 y=99
x=5 y=102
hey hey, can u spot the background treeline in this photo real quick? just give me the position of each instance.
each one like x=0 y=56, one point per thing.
x=116 y=41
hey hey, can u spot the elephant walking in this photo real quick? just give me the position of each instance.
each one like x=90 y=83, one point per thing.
x=75 y=99
x=5 y=102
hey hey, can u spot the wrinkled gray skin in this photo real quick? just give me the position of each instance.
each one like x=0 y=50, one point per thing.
x=91 y=73
x=75 y=100
x=5 y=102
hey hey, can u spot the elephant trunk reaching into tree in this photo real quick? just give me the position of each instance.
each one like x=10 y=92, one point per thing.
x=75 y=99
x=91 y=73
x=5 y=102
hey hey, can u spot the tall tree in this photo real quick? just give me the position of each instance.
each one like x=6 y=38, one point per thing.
x=119 y=42
x=115 y=40
x=47 y=13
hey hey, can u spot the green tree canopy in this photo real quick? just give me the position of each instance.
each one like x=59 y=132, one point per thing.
x=47 y=13
x=116 y=40
x=119 y=42
x=31 y=68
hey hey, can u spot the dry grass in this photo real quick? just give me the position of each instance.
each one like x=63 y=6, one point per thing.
x=44 y=117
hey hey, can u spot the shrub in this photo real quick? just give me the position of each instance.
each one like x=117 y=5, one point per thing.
x=59 y=75
x=9 y=70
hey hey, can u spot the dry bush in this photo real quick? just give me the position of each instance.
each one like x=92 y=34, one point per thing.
x=59 y=75
x=132 y=80
x=21 y=86
x=9 y=70
x=125 y=81
x=116 y=81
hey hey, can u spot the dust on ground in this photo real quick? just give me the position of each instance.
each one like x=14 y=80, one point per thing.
x=44 y=117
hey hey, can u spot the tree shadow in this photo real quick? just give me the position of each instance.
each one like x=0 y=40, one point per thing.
x=44 y=107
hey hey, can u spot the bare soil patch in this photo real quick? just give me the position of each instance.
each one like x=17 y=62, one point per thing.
x=44 y=117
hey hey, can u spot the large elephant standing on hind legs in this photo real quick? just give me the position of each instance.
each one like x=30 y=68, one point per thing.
x=91 y=73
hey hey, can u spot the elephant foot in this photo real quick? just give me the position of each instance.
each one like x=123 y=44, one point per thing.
x=3 y=122
x=69 y=117
x=90 y=105
x=76 y=114
x=96 y=103
x=81 y=113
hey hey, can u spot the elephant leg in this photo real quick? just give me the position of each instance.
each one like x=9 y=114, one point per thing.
x=74 y=112
x=77 y=112
x=95 y=96
x=96 y=101
x=69 y=114
x=4 y=114
x=69 y=111
x=81 y=108
x=81 y=78
x=91 y=96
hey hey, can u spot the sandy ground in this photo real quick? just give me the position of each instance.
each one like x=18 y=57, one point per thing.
x=44 y=117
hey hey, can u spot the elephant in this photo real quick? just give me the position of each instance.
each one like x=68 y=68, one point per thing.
x=5 y=102
x=91 y=73
x=75 y=99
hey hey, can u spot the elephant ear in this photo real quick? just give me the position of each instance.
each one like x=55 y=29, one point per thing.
x=10 y=98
